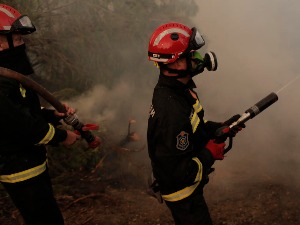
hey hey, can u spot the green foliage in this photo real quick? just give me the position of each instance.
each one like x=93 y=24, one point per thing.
x=82 y=43
x=77 y=157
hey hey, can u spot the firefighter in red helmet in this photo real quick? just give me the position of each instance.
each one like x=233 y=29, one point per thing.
x=26 y=129
x=181 y=142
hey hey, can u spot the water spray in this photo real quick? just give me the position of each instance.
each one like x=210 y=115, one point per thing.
x=288 y=84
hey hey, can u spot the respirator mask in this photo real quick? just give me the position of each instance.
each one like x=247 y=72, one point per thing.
x=197 y=63
x=16 y=59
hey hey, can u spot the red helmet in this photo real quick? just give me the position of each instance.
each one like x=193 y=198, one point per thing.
x=12 y=21
x=171 y=40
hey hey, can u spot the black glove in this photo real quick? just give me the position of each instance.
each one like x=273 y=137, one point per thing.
x=235 y=129
x=211 y=127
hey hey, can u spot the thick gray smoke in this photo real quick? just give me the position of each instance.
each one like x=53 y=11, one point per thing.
x=256 y=43
x=115 y=107
x=257 y=47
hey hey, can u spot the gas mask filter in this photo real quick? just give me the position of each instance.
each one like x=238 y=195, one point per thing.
x=197 y=63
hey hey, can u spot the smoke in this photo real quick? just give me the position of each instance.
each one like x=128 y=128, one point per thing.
x=256 y=43
x=115 y=107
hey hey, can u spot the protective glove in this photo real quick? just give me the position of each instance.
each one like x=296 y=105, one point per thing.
x=234 y=130
x=71 y=138
x=216 y=149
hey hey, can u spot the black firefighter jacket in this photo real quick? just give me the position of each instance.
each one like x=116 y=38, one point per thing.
x=25 y=129
x=177 y=134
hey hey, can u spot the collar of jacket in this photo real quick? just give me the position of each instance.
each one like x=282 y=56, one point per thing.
x=172 y=82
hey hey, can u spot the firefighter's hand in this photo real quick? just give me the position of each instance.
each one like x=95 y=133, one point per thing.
x=216 y=149
x=71 y=138
x=234 y=130
x=69 y=111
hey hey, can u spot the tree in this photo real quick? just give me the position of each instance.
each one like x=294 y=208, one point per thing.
x=81 y=43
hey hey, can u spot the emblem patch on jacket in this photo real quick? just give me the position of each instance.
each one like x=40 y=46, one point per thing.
x=182 y=140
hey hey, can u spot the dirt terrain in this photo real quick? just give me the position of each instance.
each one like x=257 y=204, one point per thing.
x=114 y=192
x=86 y=199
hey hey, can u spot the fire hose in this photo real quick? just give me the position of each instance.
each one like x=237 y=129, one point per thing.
x=72 y=120
x=222 y=132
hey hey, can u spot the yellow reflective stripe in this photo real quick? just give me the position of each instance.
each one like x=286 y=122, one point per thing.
x=199 y=174
x=24 y=175
x=48 y=137
x=181 y=194
x=23 y=91
x=195 y=120
x=197 y=106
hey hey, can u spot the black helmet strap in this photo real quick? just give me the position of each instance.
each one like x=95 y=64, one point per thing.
x=10 y=40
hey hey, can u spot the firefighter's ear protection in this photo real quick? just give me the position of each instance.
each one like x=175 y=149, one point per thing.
x=197 y=63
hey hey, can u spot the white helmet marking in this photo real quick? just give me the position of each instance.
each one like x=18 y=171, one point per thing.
x=168 y=31
x=8 y=13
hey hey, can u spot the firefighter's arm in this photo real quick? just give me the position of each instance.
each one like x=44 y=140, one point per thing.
x=69 y=111
x=54 y=117
x=49 y=116
x=71 y=138
x=211 y=127
x=20 y=125
x=51 y=135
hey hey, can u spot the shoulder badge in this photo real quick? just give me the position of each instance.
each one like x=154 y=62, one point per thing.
x=182 y=141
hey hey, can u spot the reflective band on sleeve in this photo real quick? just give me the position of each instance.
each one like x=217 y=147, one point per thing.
x=195 y=120
x=48 y=136
x=181 y=194
x=24 y=175
x=22 y=91
x=197 y=106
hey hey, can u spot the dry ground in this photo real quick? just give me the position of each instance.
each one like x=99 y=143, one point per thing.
x=85 y=199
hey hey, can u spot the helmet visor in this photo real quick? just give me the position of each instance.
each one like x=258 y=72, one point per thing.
x=196 y=41
x=23 y=25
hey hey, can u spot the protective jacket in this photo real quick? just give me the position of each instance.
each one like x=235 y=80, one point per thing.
x=177 y=135
x=25 y=129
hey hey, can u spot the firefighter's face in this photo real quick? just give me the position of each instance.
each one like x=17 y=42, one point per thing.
x=179 y=64
x=17 y=41
x=182 y=64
